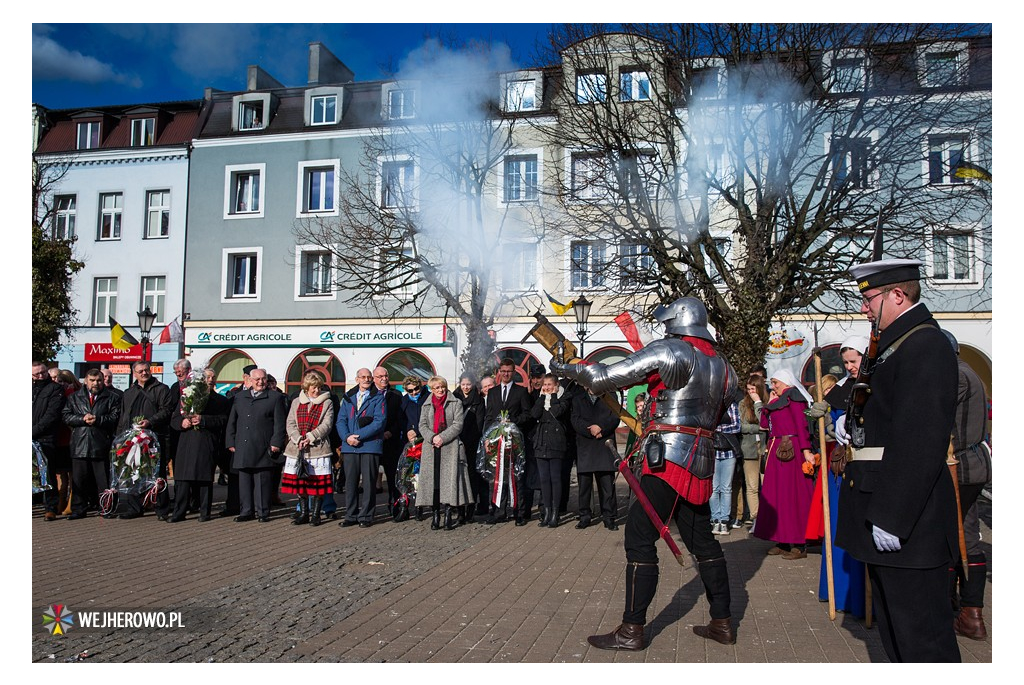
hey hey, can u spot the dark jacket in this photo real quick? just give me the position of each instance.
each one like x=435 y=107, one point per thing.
x=517 y=404
x=593 y=454
x=909 y=492
x=472 y=411
x=254 y=425
x=155 y=402
x=411 y=409
x=92 y=442
x=199 y=447
x=395 y=422
x=47 y=404
x=548 y=434
x=366 y=423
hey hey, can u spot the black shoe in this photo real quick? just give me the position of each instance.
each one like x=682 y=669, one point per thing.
x=365 y=524
x=583 y=523
x=245 y=517
x=492 y=519
x=611 y=525
x=435 y=523
x=163 y=517
x=264 y=519
x=224 y=513
x=223 y=480
x=174 y=519
x=204 y=518
x=520 y=521
x=449 y=518
x=314 y=520
x=129 y=516
x=76 y=516
x=300 y=520
x=346 y=523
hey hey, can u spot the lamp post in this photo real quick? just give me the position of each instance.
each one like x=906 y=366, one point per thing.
x=581 y=308
x=146 y=319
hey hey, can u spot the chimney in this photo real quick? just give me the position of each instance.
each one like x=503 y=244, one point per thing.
x=257 y=79
x=324 y=67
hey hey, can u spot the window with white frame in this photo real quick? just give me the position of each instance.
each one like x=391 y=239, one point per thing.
x=401 y=269
x=634 y=85
x=942 y=68
x=241 y=274
x=519 y=267
x=323 y=109
x=319 y=187
x=158 y=213
x=88 y=135
x=945 y=155
x=143 y=131
x=723 y=246
x=110 y=216
x=520 y=95
x=315 y=273
x=154 y=294
x=591 y=87
x=64 y=213
x=952 y=256
x=706 y=81
x=397 y=183
x=636 y=264
x=401 y=102
x=851 y=162
x=521 y=179
x=244 y=190
x=104 y=301
x=250 y=115
x=589 y=176
x=848 y=75
x=587 y=264
x=637 y=174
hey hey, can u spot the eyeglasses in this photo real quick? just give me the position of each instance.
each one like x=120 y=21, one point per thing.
x=413 y=391
x=381 y=375
x=867 y=300
x=364 y=377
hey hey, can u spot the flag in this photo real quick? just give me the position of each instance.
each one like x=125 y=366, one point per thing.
x=628 y=327
x=119 y=337
x=172 y=332
x=967 y=170
x=559 y=308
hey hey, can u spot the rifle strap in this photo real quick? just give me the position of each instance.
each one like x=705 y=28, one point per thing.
x=899 y=341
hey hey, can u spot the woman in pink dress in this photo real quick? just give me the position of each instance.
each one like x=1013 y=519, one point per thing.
x=785 y=497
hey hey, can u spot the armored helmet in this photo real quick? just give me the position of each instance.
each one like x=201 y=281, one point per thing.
x=952 y=340
x=685 y=316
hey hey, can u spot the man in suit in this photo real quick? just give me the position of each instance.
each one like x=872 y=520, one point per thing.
x=510 y=397
x=897 y=509
x=231 y=505
x=108 y=383
x=92 y=414
x=256 y=435
x=392 y=430
x=361 y=422
x=182 y=368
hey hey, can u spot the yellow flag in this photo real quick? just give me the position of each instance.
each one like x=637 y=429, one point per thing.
x=558 y=307
x=119 y=337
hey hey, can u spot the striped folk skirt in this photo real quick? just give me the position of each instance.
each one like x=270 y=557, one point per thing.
x=317 y=482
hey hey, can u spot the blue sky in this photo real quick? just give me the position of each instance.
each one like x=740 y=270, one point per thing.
x=83 y=65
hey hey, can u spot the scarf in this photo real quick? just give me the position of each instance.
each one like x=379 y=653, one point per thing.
x=307 y=415
x=439 y=423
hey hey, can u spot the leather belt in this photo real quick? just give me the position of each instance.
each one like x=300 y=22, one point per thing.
x=867 y=454
x=675 y=428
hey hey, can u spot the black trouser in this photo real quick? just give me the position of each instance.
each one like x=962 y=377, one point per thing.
x=969 y=591
x=606 y=494
x=912 y=608
x=186 y=490
x=360 y=465
x=232 y=502
x=89 y=477
x=549 y=472
x=694 y=524
x=567 y=464
x=255 y=487
x=389 y=460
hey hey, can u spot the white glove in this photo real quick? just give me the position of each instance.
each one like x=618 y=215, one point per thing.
x=842 y=437
x=884 y=542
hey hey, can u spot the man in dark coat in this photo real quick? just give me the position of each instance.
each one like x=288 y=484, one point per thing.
x=897 y=508
x=255 y=436
x=361 y=421
x=231 y=506
x=152 y=400
x=108 y=383
x=47 y=404
x=594 y=423
x=200 y=444
x=92 y=413
x=510 y=397
x=393 y=437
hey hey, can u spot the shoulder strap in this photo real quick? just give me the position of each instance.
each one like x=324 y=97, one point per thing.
x=899 y=341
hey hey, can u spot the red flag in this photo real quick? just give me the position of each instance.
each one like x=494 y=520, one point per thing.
x=628 y=328
x=172 y=332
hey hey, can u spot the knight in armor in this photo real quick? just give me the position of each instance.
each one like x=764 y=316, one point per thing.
x=690 y=385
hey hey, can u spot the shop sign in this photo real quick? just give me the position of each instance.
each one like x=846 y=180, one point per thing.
x=106 y=352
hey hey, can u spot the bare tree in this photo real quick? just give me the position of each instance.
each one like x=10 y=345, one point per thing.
x=749 y=165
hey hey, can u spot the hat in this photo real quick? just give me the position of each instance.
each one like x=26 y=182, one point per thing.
x=885 y=272
x=249 y=369
x=856 y=342
x=536 y=370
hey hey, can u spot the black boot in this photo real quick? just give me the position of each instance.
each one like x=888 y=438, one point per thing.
x=449 y=518
x=464 y=514
x=715 y=576
x=435 y=523
x=552 y=517
x=628 y=636
x=641 y=584
x=303 y=512
x=314 y=519
x=544 y=517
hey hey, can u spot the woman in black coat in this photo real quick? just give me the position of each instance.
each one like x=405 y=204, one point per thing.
x=549 y=445
x=472 y=408
x=200 y=442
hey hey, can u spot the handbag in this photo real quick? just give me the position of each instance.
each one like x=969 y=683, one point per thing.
x=784 y=452
x=303 y=471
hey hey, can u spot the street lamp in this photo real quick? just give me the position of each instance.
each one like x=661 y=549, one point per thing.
x=581 y=308
x=146 y=320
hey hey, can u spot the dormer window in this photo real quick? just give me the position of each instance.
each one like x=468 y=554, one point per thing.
x=252 y=111
x=88 y=135
x=143 y=132
x=943 y=65
x=250 y=116
x=400 y=104
x=849 y=75
x=634 y=85
x=323 y=110
x=520 y=95
x=591 y=87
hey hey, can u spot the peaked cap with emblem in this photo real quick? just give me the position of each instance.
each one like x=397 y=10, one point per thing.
x=886 y=272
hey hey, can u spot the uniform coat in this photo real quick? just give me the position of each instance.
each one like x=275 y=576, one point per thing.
x=199 y=448
x=254 y=425
x=453 y=476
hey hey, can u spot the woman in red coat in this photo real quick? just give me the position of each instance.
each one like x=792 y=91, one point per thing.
x=786 y=493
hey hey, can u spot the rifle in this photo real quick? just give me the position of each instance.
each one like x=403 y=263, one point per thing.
x=861 y=389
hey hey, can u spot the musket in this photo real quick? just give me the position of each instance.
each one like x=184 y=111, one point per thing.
x=951 y=462
x=823 y=475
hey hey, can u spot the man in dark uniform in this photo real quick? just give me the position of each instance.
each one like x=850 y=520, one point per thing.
x=897 y=508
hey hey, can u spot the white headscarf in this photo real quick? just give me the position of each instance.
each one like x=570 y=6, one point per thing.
x=856 y=342
x=786 y=376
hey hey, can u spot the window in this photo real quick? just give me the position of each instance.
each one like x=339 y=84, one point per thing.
x=142 y=132
x=88 y=135
x=589 y=176
x=397 y=184
x=637 y=174
x=243 y=190
x=315 y=276
x=848 y=75
x=158 y=213
x=723 y=246
x=851 y=162
x=400 y=104
x=635 y=264
x=323 y=110
x=250 y=115
x=64 y=217
x=521 y=178
x=154 y=292
x=945 y=154
x=942 y=69
x=104 y=301
x=705 y=166
x=318 y=185
x=952 y=256
x=591 y=87
x=634 y=85
x=241 y=274
x=587 y=265
x=110 y=216
x=519 y=267
x=520 y=95
x=401 y=269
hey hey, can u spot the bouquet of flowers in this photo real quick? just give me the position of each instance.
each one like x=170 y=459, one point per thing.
x=501 y=449
x=194 y=395
x=135 y=460
x=40 y=474
x=407 y=478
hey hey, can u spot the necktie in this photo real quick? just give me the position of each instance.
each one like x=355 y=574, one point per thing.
x=504 y=394
x=359 y=402
x=92 y=400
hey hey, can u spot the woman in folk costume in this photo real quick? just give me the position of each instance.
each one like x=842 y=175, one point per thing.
x=444 y=474
x=307 y=469
x=785 y=496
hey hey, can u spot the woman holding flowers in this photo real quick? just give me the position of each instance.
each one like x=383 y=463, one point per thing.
x=444 y=475
x=199 y=424
x=307 y=468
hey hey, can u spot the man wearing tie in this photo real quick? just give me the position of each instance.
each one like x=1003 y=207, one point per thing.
x=507 y=396
x=361 y=422
x=91 y=413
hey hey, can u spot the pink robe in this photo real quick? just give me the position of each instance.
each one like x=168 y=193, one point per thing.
x=785 y=498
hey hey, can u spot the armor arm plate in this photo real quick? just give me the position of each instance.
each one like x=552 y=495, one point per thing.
x=673 y=361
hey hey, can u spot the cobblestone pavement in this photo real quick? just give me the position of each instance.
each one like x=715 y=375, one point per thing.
x=273 y=592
